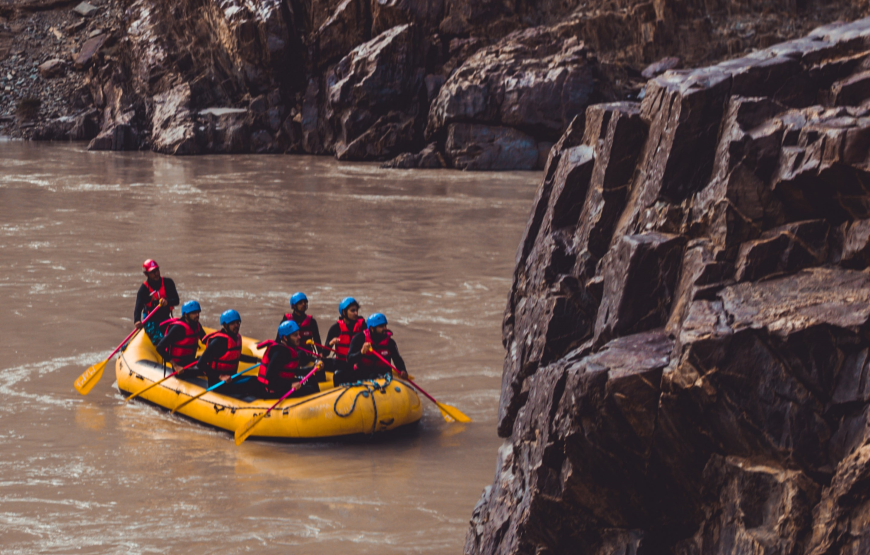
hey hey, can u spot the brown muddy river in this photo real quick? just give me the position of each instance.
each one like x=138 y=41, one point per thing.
x=432 y=250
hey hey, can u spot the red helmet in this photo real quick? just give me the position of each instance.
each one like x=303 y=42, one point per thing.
x=149 y=266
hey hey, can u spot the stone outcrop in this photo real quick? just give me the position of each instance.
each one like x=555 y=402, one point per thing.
x=688 y=329
x=493 y=84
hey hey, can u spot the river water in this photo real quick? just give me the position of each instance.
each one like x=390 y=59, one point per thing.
x=433 y=250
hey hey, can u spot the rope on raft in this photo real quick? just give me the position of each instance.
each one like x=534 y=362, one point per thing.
x=370 y=387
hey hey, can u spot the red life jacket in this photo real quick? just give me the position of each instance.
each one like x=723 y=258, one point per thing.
x=345 y=336
x=228 y=363
x=154 y=298
x=186 y=347
x=286 y=373
x=371 y=362
x=305 y=331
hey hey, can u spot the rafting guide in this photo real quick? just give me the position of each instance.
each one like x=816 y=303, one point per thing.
x=156 y=292
x=225 y=380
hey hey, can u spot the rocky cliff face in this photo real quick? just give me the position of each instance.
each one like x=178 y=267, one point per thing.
x=688 y=331
x=472 y=84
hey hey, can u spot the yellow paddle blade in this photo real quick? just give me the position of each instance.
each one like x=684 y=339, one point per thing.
x=86 y=382
x=452 y=414
x=244 y=431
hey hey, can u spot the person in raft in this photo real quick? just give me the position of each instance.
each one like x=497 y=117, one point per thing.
x=181 y=337
x=308 y=329
x=223 y=352
x=375 y=339
x=284 y=364
x=338 y=337
x=155 y=291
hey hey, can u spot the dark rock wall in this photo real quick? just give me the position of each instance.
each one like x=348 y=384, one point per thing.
x=688 y=330
x=492 y=84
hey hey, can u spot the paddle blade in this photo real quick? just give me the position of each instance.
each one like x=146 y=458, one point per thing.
x=452 y=414
x=244 y=431
x=86 y=382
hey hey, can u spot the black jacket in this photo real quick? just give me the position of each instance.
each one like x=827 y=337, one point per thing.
x=143 y=297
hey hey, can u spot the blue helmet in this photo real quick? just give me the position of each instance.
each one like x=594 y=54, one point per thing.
x=376 y=319
x=346 y=303
x=230 y=316
x=297 y=298
x=190 y=306
x=288 y=327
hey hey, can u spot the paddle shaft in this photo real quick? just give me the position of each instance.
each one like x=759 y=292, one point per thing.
x=234 y=376
x=191 y=365
x=302 y=381
x=417 y=387
x=118 y=348
x=324 y=347
x=217 y=385
x=309 y=352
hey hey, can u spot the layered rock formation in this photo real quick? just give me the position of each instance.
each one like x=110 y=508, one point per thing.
x=688 y=331
x=492 y=84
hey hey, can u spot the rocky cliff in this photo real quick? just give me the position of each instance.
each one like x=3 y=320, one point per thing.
x=471 y=84
x=688 y=330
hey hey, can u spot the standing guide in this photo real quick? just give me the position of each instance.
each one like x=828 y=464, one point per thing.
x=155 y=291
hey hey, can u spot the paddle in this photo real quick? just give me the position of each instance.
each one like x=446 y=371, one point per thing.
x=410 y=377
x=215 y=386
x=449 y=413
x=244 y=431
x=309 y=352
x=127 y=400
x=86 y=382
x=322 y=346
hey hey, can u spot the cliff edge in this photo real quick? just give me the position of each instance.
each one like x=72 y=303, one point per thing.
x=688 y=330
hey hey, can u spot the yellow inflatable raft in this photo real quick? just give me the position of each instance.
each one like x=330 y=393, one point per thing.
x=375 y=406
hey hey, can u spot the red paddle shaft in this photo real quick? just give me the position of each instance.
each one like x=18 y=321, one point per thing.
x=324 y=347
x=417 y=387
x=309 y=352
x=118 y=348
x=191 y=365
x=291 y=391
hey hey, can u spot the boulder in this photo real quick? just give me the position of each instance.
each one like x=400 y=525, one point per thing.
x=85 y=9
x=428 y=158
x=52 y=68
x=483 y=147
x=344 y=30
x=386 y=14
x=89 y=50
x=371 y=97
x=535 y=80
x=661 y=66
x=172 y=127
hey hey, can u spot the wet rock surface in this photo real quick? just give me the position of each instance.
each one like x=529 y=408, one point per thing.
x=489 y=83
x=688 y=328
